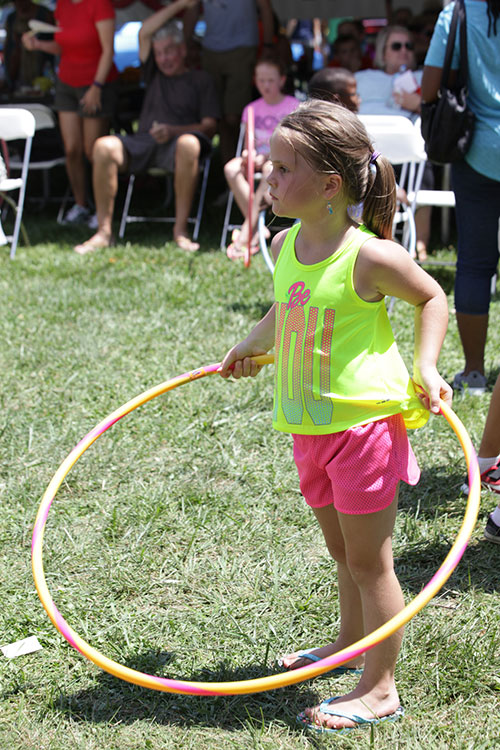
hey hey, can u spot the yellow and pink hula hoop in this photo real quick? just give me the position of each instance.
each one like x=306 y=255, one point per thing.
x=263 y=683
x=251 y=182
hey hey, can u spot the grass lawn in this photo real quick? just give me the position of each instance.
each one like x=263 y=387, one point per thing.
x=179 y=544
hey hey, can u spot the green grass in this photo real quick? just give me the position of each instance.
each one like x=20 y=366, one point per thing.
x=179 y=543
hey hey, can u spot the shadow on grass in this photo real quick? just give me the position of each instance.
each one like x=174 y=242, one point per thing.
x=113 y=700
x=477 y=570
x=444 y=275
x=256 y=310
x=439 y=494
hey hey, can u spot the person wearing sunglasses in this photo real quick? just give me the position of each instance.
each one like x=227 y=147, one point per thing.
x=393 y=88
x=378 y=88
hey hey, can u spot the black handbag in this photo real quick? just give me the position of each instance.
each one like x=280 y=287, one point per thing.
x=448 y=124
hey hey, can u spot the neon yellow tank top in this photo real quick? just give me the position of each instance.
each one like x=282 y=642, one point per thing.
x=336 y=361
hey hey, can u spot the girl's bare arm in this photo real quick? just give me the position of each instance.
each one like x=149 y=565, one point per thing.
x=384 y=268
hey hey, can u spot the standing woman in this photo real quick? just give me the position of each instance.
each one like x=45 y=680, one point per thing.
x=476 y=179
x=85 y=91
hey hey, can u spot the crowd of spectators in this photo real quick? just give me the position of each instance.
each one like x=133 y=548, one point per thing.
x=363 y=63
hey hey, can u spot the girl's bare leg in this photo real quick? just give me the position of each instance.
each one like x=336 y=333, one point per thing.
x=351 y=612
x=369 y=560
x=237 y=183
x=241 y=192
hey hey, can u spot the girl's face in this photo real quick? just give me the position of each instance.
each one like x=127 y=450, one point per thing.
x=295 y=188
x=398 y=51
x=269 y=82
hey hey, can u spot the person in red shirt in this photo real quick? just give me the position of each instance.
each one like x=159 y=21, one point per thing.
x=85 y=91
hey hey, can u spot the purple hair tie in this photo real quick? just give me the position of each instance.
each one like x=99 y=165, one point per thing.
x=374 y=157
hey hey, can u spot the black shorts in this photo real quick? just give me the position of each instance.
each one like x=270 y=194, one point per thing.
x=67 y=99
x=144 y=152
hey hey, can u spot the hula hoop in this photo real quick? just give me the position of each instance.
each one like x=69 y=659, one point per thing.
x=251 y=181
x=270 y=682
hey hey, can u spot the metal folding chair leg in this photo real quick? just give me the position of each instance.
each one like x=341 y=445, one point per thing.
x=127 y=218
x=126 y=205
x=22 y=228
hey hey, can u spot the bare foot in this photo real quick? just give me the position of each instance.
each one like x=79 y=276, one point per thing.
x=371 y=705
x=295 y=661
x=98 y=241
x=182 y=241
x=235 y=251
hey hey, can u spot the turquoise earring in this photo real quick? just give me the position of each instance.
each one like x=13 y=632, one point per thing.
x=329 y=208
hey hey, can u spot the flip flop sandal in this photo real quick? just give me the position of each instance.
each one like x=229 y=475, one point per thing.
x=361 y=723
x=314 y=658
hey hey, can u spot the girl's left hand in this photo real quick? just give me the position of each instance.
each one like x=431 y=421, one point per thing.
x=91 y=100
x=431 y=387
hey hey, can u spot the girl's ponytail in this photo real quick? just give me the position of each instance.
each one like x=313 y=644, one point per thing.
x=379 y=204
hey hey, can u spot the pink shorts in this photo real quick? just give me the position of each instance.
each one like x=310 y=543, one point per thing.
x=357 y=470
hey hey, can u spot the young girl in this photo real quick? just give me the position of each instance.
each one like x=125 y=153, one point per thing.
x=341 y=387
x=268 y=111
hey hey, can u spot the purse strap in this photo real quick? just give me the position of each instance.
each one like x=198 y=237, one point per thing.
x=459 y=16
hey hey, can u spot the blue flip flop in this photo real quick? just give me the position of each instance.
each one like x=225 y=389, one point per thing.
x=314 y=658
x=360 y=721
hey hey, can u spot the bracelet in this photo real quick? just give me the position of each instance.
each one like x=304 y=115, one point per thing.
x=99 y=85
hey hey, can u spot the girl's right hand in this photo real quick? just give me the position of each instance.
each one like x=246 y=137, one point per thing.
x=238 y=362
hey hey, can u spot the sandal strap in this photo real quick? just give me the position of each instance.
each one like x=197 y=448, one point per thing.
x=325 y=708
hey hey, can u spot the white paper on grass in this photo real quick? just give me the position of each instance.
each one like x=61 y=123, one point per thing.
x=19 y=648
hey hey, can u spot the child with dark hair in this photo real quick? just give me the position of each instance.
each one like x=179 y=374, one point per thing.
x=335 y=85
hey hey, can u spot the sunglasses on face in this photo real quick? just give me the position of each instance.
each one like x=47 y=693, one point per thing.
x=396 y=46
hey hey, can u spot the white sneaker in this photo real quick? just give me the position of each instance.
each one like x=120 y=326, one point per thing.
x=76 y=215
x=474 y=382
x=92 y=223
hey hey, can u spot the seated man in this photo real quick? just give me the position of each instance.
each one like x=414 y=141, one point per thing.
x=178 y=119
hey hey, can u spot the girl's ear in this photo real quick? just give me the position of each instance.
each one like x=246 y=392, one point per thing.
x=333 y=186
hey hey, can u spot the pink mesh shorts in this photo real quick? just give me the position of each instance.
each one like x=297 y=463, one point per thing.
x=357 y=470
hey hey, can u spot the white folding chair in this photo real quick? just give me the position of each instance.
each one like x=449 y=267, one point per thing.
x=398 y=139
x=16 y=124
x=127 y=218
x=443 y=198
x=44 y=120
